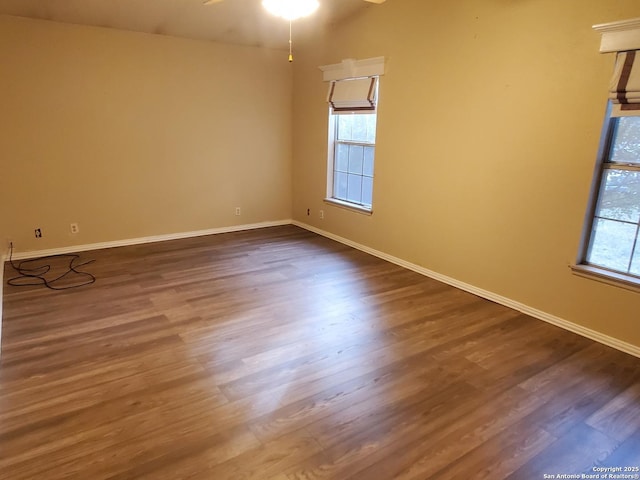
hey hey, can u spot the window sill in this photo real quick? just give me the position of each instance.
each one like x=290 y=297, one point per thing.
x=349 y=206
x=607 y=276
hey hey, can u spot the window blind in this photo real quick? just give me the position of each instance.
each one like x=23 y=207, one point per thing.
x=625 y=85
x=353 y=95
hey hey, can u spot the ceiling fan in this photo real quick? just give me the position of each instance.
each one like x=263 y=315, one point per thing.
x=290 y=10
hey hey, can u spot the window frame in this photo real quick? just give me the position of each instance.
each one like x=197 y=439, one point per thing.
x=616 y=37
x=583 y=267
x=331 y=161
x=349 y=68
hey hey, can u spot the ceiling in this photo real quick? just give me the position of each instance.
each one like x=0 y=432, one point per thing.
x=242 y=22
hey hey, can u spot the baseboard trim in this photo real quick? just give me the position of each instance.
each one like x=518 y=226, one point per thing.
x=142 y=240
x=507 y=302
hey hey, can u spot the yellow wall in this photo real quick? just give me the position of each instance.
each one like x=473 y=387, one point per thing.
x=133 y=135
x=489 y=121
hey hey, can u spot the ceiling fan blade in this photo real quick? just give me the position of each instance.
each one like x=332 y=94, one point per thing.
x=375 y=1
x=210 y=2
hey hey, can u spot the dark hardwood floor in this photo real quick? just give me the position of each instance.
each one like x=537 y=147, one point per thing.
x=278 y=354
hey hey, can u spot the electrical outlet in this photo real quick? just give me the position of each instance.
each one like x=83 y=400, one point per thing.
x=321 y=214
x=38 y=233
x=74 y=228
x=308 y=212
x=238 y=211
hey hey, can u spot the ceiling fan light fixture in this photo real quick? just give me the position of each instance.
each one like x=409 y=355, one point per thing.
x=290 y=9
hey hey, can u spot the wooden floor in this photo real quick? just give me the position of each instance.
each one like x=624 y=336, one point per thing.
x=279 y=354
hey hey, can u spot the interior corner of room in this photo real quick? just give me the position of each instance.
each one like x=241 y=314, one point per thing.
x=484 y=157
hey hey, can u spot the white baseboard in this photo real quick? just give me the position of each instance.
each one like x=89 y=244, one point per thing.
x=141 y=240
x=507 y=302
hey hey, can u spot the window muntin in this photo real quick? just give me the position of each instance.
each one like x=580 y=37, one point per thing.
x=614 y=241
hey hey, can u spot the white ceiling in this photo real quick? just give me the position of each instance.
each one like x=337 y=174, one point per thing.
x=232 y=21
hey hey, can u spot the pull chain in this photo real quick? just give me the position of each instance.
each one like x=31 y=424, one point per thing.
x=290 y=50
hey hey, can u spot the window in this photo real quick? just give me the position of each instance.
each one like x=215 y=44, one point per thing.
x=352 y=158
x=352 y=142
x=611 y=247
x=614 y=241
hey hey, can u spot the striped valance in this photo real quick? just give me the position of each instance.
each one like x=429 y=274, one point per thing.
x=625 y=85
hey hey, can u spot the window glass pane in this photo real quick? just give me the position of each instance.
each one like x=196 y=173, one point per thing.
x=620 y=196
x=371 y=128
x=359 y=133
x=367 y=191
x=356 y=157
x=368 y=161
x=354 y=189
x=611 y=244
x=342 y=157
x=345 y=126
x=357 y=127
x=340 y=185
x=626 y=141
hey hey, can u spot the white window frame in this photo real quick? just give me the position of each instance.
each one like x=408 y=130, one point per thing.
x=331 y=162
x=616 y=37
x=348 y=69
x=603 y=165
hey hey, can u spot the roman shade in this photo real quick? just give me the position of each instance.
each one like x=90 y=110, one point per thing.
x=353 y=95
x=625 y=85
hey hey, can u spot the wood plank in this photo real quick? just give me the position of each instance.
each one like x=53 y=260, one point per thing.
x=576 y=452
x=617 y=418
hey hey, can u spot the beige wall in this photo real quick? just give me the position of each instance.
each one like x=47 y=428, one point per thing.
x=489 y=121
x=133 y=135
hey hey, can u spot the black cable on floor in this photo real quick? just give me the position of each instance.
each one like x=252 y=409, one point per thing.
x=36 y=275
